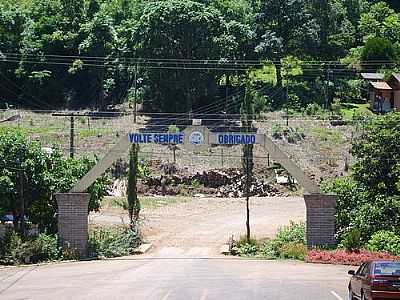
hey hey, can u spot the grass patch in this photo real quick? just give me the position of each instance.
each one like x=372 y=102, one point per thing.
x=349 y=110
x=327 y=135
x=145 y=202
x=86 y=133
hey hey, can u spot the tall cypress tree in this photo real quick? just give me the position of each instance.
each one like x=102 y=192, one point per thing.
x=247 y=116
x=133 y=201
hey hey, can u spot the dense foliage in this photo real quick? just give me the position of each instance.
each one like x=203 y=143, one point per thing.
x=290 y=243
x=385 y=240
x=38 y=174
x=13 y=250
x=370 y=199
x=113 y=241
x=82 y=53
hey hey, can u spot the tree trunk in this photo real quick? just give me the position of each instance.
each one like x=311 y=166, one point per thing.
x=248 y=233
x=278 y=68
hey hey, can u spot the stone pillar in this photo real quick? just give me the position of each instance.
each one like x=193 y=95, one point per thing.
x=73 y=221
x=321 y=210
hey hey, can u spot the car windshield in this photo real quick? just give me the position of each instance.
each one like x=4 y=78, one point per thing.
x=387 y=268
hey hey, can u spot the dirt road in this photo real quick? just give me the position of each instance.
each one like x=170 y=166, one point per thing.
x=209 y=222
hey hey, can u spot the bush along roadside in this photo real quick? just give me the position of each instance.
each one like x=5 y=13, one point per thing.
x=110 y=241
x=289 y=244
x=113 y=241
x=14 y=250
x=352 y=251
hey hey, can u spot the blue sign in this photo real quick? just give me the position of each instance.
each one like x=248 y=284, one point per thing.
x=236 y=139
x=156 y=138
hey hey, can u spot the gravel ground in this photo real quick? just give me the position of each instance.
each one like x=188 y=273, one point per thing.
x=209 y=222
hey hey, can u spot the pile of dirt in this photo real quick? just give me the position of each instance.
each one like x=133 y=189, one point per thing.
x=221 y=183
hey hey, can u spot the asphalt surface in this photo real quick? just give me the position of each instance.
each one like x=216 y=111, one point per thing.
x=174 y=273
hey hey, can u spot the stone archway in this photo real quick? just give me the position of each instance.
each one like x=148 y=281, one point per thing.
x=73 y=206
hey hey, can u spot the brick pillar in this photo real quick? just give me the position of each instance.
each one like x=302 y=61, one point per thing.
x=73 y=221
x=321 y=210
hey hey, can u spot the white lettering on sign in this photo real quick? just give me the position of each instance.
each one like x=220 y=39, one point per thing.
x=156 y=138
x=236 y=139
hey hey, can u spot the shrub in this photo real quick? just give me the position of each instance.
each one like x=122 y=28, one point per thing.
x=293 y=251
x=242 y=247
x=195 y=184
x=314 y=109
x=247 y=250
x=113 y=241
x=295 y=135
x=44 y=248
x=13 y=250
x=277 y=130
x=385 y=240
x=270 y=249
x=173 y=128
x=352 y=240
x=289 y=243
x=293 y=233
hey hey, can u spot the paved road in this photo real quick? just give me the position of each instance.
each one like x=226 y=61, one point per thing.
x=174 y=273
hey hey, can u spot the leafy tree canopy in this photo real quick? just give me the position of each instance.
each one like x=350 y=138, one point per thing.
x=25 y=166
x=370 y=199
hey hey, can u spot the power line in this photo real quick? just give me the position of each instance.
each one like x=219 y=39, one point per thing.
x=221 y=60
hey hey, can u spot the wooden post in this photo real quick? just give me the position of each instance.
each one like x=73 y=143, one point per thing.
x=72 y=137
x=222 y=157
x=248 y=197
x=22 y=213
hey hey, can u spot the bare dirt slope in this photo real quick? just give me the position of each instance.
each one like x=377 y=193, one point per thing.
x=209 y=222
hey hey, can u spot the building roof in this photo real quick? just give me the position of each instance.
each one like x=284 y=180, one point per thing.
x=372 y=76
x=396 y=76
x=381 y=85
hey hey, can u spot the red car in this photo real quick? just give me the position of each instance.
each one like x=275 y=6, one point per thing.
x=375 y=280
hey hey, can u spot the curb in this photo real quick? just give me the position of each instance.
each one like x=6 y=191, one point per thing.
x=225 y=250
x=143 y=249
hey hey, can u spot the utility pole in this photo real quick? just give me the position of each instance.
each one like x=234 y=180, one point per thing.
x=22 y=200
x=287 y=102
x=327 y=87
x=222 y=157
x=72 y=129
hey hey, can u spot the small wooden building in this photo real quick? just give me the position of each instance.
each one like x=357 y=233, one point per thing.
x=384 y=96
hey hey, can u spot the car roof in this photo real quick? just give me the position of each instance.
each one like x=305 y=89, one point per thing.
x=379 y=261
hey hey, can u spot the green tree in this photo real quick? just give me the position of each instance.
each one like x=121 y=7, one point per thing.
x=379 y=51
x=283 y=28
x=184 y=30
x=378 y=156
x=370 y=199
x=39 y=175
x=133 y=201
x=335 y=31
x=380 y=21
